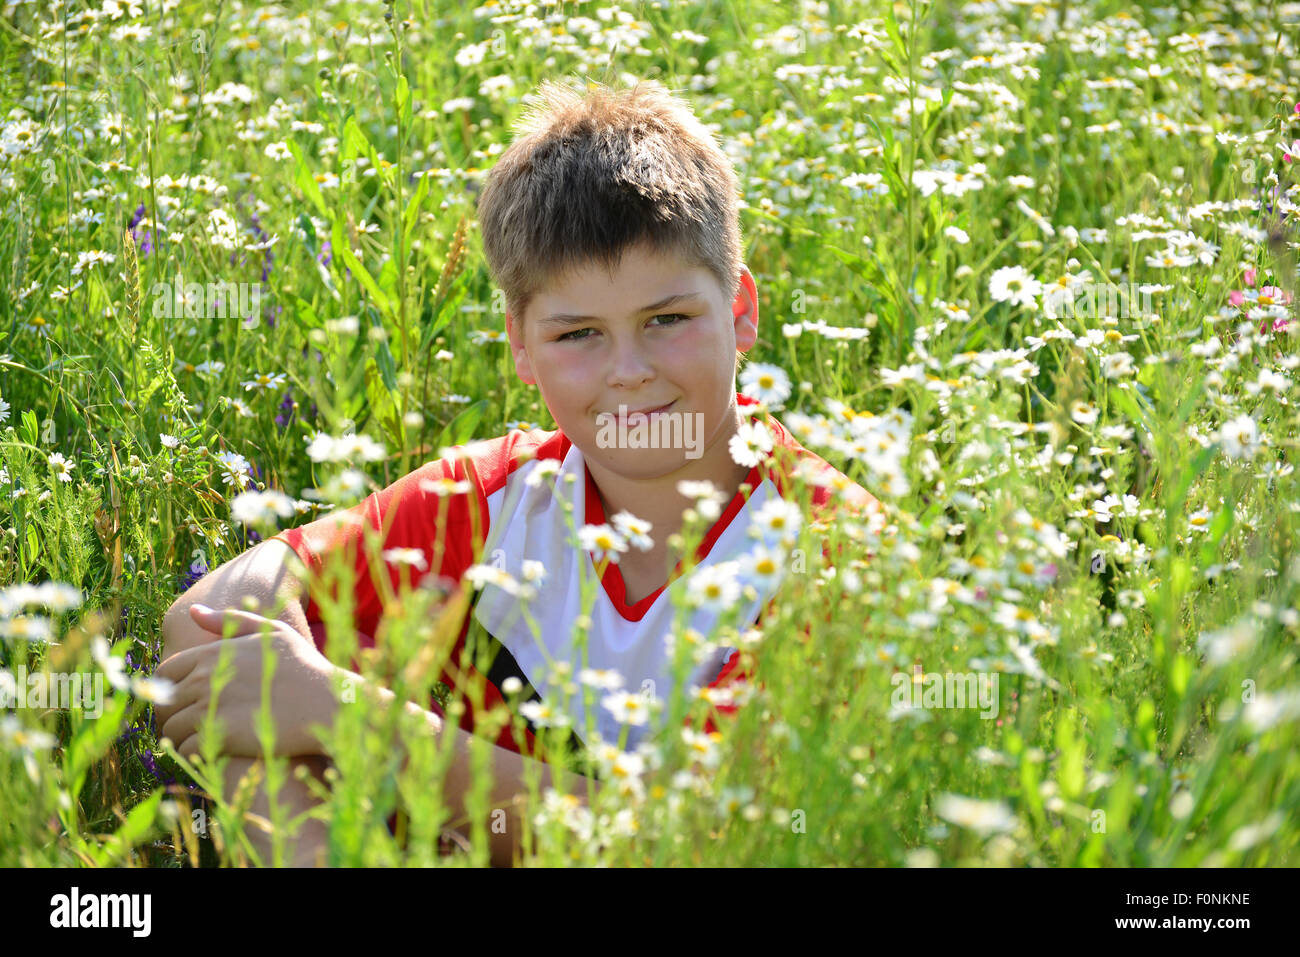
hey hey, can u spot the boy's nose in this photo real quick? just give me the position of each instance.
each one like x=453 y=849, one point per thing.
x=629 y=368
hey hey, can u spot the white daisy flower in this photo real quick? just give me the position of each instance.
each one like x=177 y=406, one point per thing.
x=1015 y=285
x=1240 y=438
x=61 y=467
x=715 y=588
x=261 y=508
x=750 y=444
x=627 y=708
x=605 y=679
x=767 y=383
x=603 y=541
x=635 y=530
x=543 y=715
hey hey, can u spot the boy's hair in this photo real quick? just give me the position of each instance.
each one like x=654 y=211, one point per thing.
x=592 y=174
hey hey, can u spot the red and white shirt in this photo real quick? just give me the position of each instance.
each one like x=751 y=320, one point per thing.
x=514 y=511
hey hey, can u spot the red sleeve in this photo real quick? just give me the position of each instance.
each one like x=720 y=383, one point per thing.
x=439 y=512
x=416 y=512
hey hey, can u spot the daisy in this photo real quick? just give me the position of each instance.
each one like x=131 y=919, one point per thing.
x=154 y=690
x=766 y=566
x=444 y=486
x=604 y=679
x=91 y=260
x=61 y=467
x=278 y=151
x=703 y=747
x=114 y=668
x=261 y=508
x=602 y=541
x=982 y=817
x=627 y=708
x=714 y=588
x=543 y=715
x=1240 y=438
x=635 y=530
x=1116 y=365
x=1013 y=284
x=1038 y=218
x=26 y=628
x=406 y=556
x=265 y=380
x=777 y=516
x=1169 y=259
x=240 y=406
x=751 y=442
x=236 y=468
x=767 y=383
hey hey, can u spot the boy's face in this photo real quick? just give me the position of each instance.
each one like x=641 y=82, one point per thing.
x=612 y=349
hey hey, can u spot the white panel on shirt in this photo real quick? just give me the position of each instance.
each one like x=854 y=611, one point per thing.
x=529 y=523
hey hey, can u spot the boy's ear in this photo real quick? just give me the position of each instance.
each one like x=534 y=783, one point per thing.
x=523 y=367
x=744 y=311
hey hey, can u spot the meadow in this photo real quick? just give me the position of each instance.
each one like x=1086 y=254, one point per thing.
x=1027 y=273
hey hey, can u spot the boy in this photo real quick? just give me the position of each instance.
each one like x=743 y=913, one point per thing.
x=611 y=226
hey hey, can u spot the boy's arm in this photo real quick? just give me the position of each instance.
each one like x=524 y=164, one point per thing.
x=264 y=576
x=262 y=580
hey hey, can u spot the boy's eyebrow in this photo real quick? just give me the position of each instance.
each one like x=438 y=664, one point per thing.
x=567 y=319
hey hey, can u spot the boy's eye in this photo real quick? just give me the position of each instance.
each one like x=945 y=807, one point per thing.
x=577 y=335
x=673 y=316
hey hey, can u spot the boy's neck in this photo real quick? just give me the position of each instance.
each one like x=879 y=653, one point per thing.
x=658 y=501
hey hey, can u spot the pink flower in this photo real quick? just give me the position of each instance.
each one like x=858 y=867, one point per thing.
x=1274 y=293
x=1235 y=297
x=1249 y=276
x=1297 y=107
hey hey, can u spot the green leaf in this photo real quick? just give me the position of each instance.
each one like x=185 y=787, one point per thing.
x=309 y=233
x=30 y=430
x=402 y=100
x=139 y=822
x=305 y=315
x=891 y=28
x=440 y=313
x=383 y=355
x=383 y=406
x=343 y=250
x=90 y=741
x=461 y=429
x=412 y=212
x=303 y=177
x=1210 y=548
x=1070 y=770
x=1188 y=477
x=355 y=143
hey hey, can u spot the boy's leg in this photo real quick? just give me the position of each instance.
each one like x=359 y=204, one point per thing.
x=307 y=847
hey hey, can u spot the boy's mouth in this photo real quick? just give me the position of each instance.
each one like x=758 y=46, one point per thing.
x=625 y=413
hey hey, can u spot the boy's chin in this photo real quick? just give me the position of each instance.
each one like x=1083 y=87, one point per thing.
x=642 y=464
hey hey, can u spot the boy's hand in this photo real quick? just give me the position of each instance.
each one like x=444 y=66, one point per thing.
x=302 y=692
